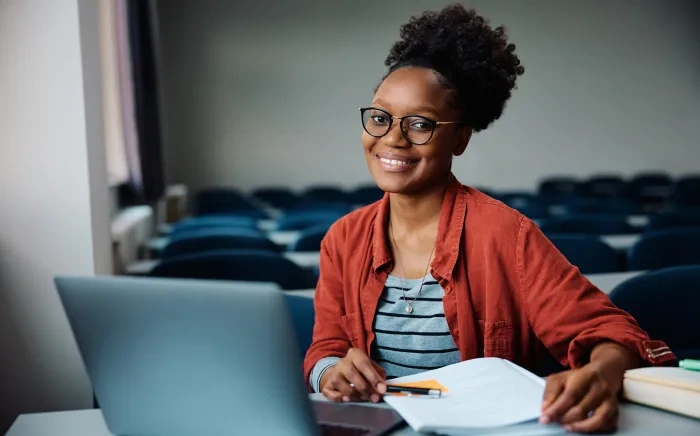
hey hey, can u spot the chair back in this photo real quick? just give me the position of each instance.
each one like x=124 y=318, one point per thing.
x=208 y=240
x=310 y=239
x=588 y=253
x=590 y=225
x=245 y=265
x=665 y=248
x=301 y=309
x=665 y=304
x=669 y=220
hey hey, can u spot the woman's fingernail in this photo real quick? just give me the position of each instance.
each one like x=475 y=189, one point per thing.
x=381 y=388
x=375 y=398
x=568 y=428
x=544 y=419
x=346 y=399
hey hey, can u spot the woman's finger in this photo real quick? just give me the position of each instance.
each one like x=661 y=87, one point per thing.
x=575 y=387
x=604 y=419
x=339 y=383
x=358 y=382
x=332 y=395
x=554 y=387
x=366 y=367
x=590 y=402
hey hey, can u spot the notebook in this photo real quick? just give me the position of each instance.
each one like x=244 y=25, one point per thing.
x=672 y=389
x=482 y=396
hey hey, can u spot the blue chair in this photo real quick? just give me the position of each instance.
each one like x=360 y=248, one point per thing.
x=665 y=304
x=325 y=194
x=558 y=186
x=650 y=189
x=301 y=220
x=366 y=195
x=301 y=310
x=244 y=265
x=588 y=253
x=199 y=243
x=671 y=220
x=665 y=248
x=533 y=211
x=211 y=221
x=589 y=225
x=200 y=232
x=604 y=186
x=218 y=201
x=519 y=199
x=599 y=206
x=281 y=198
x=310 y=239
x=687 y=192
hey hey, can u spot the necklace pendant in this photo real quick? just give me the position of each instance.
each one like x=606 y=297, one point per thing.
x=409 y=309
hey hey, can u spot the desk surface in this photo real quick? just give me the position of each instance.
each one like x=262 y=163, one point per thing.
x=634 y=420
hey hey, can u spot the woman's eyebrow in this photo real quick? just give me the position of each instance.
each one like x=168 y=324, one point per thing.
x=412 y=111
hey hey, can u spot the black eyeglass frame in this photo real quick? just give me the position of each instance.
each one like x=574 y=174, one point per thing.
x=433 y=124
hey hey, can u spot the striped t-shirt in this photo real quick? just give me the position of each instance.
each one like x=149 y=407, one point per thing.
x=409 y=343
x=406 y=343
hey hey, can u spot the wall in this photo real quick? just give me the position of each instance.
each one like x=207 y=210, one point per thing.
x=55 y=213
x=267 y=92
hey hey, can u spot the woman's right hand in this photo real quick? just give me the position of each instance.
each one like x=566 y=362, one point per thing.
x=355 y=377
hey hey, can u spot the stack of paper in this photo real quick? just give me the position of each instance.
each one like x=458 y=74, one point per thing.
x=673 y=389
x=483 y=395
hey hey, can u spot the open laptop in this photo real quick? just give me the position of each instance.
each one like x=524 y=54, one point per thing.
x=188 y=357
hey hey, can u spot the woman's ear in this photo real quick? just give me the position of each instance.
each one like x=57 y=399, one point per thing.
x=463 y=137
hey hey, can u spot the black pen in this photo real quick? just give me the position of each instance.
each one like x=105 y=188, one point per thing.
x=411 y=391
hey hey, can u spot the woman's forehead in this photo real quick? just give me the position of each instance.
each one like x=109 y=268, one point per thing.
x=412 y=90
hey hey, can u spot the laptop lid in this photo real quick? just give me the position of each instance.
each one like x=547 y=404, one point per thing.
x=183 y=357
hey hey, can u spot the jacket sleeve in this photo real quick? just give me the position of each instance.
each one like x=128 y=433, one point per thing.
x=329 y=337
x=568 y=313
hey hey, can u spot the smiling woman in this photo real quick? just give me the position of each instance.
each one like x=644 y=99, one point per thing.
x=437 y=272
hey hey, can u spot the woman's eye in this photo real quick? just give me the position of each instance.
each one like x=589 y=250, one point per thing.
x=420 y=125
x=379 y=119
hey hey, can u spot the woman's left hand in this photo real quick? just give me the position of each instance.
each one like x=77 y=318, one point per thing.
x=583 y=400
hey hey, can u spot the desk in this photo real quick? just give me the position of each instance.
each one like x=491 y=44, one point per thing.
x=634 y=420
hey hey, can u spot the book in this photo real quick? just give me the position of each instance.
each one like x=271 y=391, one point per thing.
x=481 y=396
x=672 y=389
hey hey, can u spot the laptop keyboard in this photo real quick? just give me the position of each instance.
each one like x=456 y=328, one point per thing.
x=338 y=430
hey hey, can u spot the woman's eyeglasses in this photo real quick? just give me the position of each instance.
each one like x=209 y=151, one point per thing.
x=415 y=128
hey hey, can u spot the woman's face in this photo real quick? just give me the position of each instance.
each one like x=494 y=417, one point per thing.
x=397 y=165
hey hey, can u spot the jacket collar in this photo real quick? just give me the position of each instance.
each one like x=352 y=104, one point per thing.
x=450 y=228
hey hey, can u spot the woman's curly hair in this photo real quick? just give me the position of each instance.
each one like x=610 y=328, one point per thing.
x=473 y=61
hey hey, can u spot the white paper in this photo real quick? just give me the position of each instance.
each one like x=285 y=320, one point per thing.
x=483 y=393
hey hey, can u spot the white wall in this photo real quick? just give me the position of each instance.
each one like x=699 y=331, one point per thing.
x=54 y=212
x=267 y=92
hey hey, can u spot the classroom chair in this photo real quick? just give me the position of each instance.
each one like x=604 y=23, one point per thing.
x=650 y=189
x=600 y=206
x=200 y=242
x=301 y=310
x=669 y=220
x=280 y=198
x=217 y=201
x=603 y=186
x=212 y=221
x=588 y=253
x=665 y=248
x=665 y=304
x=519 y=199
x=304 y=219
x=243 y=265
x=590 y=225
x=325 y=194
x=365 y=195
x=310 y=239
x=687 y=192
x=558 y=186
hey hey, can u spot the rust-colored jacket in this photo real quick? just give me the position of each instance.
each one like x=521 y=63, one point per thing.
x=509 y=292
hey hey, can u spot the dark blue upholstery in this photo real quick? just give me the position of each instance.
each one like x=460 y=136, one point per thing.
x=281 y=198
x=671 y=220
x=366 y=195
x=203 y=241
x=665 y=248
x=217 y=201
x=687 y=192
x=300 y=220
x=245 y=265
x=558 y=186
x=588 y=253
x=310 y=239
x=198 y=232
x=591 y=225
x=665 y=304
x=210 y=221
x=301 y=310
x=604 y=186
x=599 y=206
x=325 y=194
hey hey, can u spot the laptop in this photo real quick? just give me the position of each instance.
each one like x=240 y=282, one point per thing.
x=179 y=357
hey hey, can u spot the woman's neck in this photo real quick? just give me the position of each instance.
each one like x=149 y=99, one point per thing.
x=410 y=213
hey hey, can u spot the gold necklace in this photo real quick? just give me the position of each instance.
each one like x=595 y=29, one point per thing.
x=409 y=307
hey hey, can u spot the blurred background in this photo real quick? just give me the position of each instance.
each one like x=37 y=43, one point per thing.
x=220 y=139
